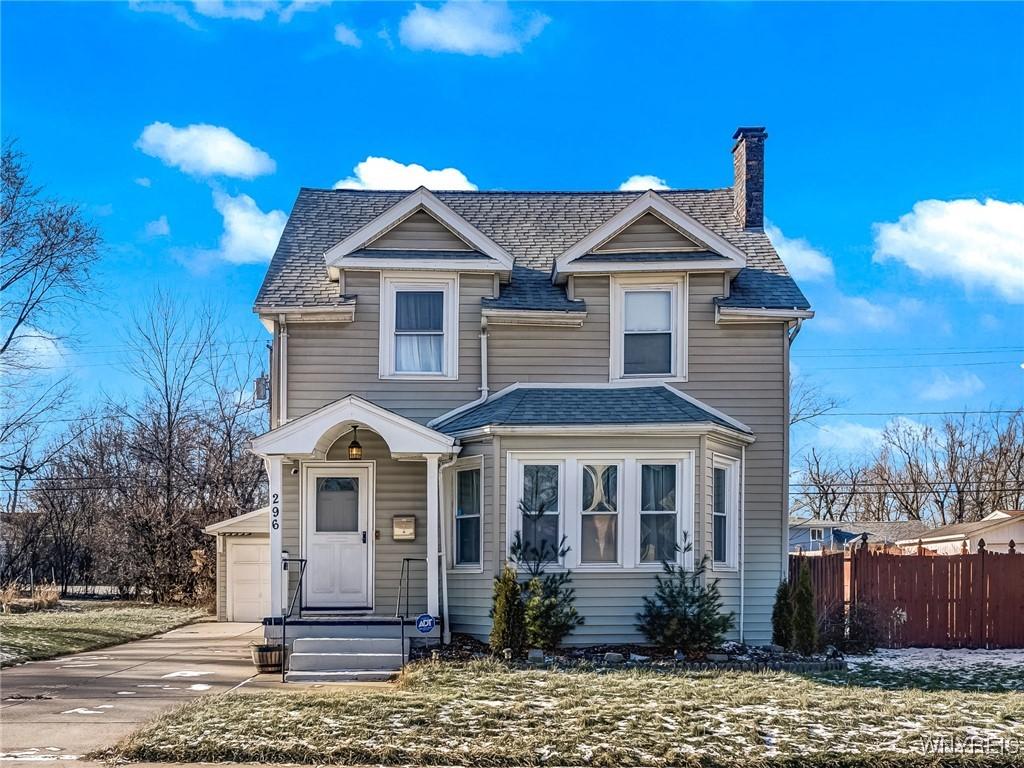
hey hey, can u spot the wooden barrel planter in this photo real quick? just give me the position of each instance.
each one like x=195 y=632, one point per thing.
x=267 y=658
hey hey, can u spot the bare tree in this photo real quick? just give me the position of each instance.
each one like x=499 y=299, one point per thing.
x=808 y=401
x=829 y=489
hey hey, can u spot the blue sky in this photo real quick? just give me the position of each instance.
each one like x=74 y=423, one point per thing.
x=895 y=163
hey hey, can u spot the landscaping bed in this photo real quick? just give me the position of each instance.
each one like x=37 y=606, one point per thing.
x=73 y=626
x=486 y=714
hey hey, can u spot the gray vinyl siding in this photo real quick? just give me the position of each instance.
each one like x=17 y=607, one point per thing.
x=648 y=233
x=470 y=590
x=420 y=231
x=554 y=355
x=327 y=361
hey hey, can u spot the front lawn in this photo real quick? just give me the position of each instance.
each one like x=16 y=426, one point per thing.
x=483 y=714
x=74 y=626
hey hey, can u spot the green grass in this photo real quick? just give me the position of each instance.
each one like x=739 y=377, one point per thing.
x=482 y=714
x=76 y=626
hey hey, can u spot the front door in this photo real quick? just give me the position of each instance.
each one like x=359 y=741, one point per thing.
x=338 y=522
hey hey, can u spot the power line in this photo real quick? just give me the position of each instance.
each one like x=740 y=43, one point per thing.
x=903 y=353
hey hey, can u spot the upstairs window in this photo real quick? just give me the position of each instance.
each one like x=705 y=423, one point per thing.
x=648 y=328
x=418 y=327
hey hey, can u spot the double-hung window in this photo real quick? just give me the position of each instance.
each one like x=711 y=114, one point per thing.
x=817 y=534
x=540 y=507
x=599 y=513
x=418 y=328
x=725 y=512
x=648 y=328
x=467 y=517
x=659 y=512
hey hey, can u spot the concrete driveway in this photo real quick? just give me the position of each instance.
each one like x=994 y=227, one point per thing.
x=67 y=707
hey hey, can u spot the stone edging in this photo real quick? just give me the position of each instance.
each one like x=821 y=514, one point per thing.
x=832 y=665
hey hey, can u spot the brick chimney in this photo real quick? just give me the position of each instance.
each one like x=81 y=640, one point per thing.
x=748 y=176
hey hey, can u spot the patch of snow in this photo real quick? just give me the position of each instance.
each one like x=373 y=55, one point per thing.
x=937 y=659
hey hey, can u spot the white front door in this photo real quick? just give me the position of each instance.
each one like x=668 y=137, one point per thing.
x=339 y=503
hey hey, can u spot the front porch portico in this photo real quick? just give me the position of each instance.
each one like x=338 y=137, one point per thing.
x=327 y=505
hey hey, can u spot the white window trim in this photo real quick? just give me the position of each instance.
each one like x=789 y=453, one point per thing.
x=820 y=534
x=393 y=282
x=452 y=493
x=731 y=466
x=619 y=508
x=629 y=494
x=680 y=289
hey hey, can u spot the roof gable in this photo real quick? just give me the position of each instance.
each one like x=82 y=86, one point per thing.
x=649 y=233
x=418 y=215
x=721 y=253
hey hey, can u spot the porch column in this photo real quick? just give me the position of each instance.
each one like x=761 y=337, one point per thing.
x=275 y=475
x=433 y=538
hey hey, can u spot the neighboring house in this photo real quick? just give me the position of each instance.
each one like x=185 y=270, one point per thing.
x=440 y=360
x=816 y=535
x=997 y=529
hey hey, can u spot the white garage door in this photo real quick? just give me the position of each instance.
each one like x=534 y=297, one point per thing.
x=248 y=580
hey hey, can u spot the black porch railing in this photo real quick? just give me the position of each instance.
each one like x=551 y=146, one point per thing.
x=403 y=582
x=285 y=562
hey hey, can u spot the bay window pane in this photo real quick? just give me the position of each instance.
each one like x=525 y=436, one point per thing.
x=600 y=487
x=648 y=311
x=468 y=493
x=719 y=499
x=720 y=539
x=599 y=538
x=467 y=541
x=658 y=488
x=647 y=353
x=540 y=487
x=540 y=532
x=657 y=538
x=419 y=311
x=418 y=353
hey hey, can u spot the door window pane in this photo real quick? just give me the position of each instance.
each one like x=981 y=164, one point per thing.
x=337 y=504
x=658 y=488
x=657 y=538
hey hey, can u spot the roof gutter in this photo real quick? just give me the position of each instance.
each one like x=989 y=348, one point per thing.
x=582 y=430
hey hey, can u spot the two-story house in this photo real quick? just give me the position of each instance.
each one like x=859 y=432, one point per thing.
x=443 y=360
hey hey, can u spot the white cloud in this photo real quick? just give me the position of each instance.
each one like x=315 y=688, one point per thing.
x=250 y=10
x=945 y=387
x=848 y=437
x=204 y=150
x=471 y=28
x=347 y=36
x=34 y=349
x=144 y=181
x=250 y=235
x=842 y=313
x=158 y=227
x=980 y=244
x=642 y=182
x=176 y=11
x=805 y=262
x=384 y=173
x=246 y=10
x=300 y=6
x=990 y=322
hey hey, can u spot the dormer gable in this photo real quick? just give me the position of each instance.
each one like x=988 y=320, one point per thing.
x=649 y=235
x=419 y=232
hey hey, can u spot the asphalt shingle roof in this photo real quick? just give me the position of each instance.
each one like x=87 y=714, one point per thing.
x=563 y=406
x=534 y=227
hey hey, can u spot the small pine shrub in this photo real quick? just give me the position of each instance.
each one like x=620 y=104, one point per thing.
x=550 y=613
x=782 y=616
x=508 y=629
x=805 y=619
x=685 y=612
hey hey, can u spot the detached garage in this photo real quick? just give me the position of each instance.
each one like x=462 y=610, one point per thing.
x=243 y=566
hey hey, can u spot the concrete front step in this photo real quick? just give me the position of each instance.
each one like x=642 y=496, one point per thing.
x=348 y=645
x=334 y=662
x=342 y=676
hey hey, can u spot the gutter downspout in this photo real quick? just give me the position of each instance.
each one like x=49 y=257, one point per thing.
x=797 y=325
x=743 y=533
x=442 y=513
x=283 y=372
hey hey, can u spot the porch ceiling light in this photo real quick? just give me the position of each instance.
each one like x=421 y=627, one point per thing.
x=355 y=450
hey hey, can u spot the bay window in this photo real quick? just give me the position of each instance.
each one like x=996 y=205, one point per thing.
x=599 y=513
x=467 y=517
x=540 y=508
x=418 y=327
x=659 y=512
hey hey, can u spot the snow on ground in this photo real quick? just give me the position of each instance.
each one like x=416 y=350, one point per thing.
x=933 y=659
x=940 y=668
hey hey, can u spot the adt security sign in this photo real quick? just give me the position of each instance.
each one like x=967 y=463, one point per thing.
x=425 y=623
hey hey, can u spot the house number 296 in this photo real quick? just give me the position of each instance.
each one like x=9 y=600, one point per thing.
x=275 y=511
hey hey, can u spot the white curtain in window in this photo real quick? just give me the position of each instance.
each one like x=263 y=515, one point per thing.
x=419 y=331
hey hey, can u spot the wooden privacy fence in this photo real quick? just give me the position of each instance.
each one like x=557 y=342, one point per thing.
x=827 y=576
x=947 y=601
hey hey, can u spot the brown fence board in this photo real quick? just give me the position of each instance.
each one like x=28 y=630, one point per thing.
x=948 y=601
